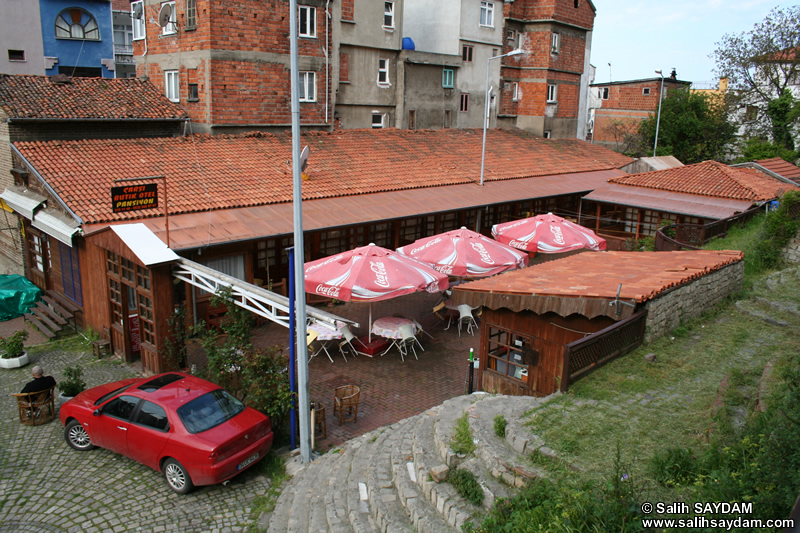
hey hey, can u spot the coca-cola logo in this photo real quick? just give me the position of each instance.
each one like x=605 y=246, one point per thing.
x=327 y=290
x=485 y=257
x=517 y=244
x=381 y=278
x=426 y=245
x=444 y=269
x=328 y=261
x=502 y=230
x=557 y=235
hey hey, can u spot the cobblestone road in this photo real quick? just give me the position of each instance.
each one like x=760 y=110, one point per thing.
x=46 y=486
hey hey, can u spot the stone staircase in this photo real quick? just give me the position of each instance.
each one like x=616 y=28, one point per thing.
x=392 y=479
x=771 y=308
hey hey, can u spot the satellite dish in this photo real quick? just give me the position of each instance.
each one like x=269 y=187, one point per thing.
x=304 y=158
x=164 y=15
x=138 y=12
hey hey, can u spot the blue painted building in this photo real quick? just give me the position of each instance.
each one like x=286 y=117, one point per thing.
x=78 y=37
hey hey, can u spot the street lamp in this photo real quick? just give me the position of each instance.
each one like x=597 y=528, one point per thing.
x=486 y=115
x=658 y=120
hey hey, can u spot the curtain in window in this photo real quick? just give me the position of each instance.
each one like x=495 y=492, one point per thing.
x=232 y=265
x=70 y=273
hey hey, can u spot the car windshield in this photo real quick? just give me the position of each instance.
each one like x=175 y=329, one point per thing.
x=112 y=393
x=209 y=410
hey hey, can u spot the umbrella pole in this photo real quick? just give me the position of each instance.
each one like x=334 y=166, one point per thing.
x=370 y=323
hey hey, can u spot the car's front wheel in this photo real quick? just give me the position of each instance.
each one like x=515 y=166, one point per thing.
x=177 y=477
x=77 y=436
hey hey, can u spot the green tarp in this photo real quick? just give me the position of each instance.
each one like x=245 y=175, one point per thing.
x=17 y=294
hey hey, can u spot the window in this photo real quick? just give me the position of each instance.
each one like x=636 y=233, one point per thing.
x=603 y=93
x=547 y=134
x=377 y=119
x=412 y=120
x=16 y=55
x=551 y=93
x=308 y=21
x=388 y=15
x=70 y=273
x=383 y=72
x=192 y=96
x=76 y=23
x=510 y=354
x=191 y=15
x=209 y=410
x=138 y=20
x=487 y=14
x=123 y=39
x=515 y=91
x=750 y=113
x=121 y=407
x=115 y=297
x=308 y=86
x=148 y=330
x=170 y=27
x=646 y=91
x=555 y=42
x=152 y=416
x=466 y=53
x=447 y=78
x=37 y=252
x=510 y=35
x=172 y=85
x=464 y=106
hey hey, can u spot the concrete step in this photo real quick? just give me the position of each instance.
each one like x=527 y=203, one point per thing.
x=421 y=512
x=355 y=499
x=335 y=488
x=753 y=309
x=384 y=502
x=444 y=428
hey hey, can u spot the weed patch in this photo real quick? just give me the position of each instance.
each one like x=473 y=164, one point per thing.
x=500 y=426
x=466 y=484
x=462 y=442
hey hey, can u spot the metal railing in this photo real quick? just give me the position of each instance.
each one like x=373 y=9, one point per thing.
x=693 y=236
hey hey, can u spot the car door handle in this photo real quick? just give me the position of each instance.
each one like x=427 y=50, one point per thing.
x=122 y=428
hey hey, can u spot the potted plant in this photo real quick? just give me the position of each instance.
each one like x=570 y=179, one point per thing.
x=72 y=384
x=14 y=354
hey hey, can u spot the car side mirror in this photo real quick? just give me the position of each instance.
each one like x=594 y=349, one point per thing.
x=96 y=412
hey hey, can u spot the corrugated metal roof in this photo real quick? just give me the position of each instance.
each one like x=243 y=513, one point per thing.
x=22 y=201
x=56 y=224
x=142 y=242
x=196 y=230
x=662 y=162
x=781 y=167
x=667 y=201
x=587 y=283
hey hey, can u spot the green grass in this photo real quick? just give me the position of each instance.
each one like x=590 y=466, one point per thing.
x=274 y=468
x=462 y=442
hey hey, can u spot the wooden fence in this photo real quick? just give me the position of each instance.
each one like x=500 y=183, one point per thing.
x=584 y=356
x=693 y=236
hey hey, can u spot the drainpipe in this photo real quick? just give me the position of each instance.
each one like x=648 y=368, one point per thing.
x=327 y=55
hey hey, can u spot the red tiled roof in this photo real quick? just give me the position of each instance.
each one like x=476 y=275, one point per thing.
x=781 y=167
x=222 y=172
x=710 y=178
x=38 y=97
x=591 y=276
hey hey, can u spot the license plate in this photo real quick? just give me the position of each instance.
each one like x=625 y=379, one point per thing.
x=247 y=461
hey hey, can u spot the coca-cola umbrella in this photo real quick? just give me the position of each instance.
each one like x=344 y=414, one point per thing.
x=549 y=234
x=370 y=274
x=465 y=254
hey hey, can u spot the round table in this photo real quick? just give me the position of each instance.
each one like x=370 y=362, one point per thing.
x=326 y=333
x=389 y=327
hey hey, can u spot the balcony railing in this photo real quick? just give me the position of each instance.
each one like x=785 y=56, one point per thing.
x=124 y=49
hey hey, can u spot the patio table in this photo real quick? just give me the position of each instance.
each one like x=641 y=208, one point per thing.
x=389 y=327
x=325 y=334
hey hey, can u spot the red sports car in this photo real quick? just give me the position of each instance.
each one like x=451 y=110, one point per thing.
x=188 y=428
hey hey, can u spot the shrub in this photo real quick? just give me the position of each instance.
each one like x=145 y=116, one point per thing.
x=14 y=345
x=778 y=229
x=466 y=484
x=73 y=383
x=462 y=442
x=500 y=426
x=673 y=466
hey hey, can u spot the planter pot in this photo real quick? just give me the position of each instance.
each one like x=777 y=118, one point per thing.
x=15 y=362
x=62 y=398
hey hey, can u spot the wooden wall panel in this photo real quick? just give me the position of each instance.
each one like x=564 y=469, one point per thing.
x=96 y=311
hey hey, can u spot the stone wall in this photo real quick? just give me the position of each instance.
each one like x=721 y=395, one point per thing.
x=792 y=251
x=669 y=310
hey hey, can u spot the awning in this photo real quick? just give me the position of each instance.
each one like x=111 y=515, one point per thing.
x=195 y=230
x=56 y=224
x=668 y=201
x=144 y=244
x=22 y=201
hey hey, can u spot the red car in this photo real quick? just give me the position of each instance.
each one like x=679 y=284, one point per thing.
x=188 y=428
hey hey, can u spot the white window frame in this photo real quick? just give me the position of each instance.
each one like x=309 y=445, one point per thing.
x=448 y=78
x=139 y=26
x=604 y=92
x=552 y=93
x=383 y=72
x=376 y=125
x=172 y=85
x=171 y=27
x=309 y=29
x=515 y=91
x=555 y=42
x=487 y=15
x=308 y=86
x=646 y=91
x=388 y=11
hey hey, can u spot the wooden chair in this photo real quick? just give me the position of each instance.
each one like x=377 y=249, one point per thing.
x=345 y=402
x=36 y=408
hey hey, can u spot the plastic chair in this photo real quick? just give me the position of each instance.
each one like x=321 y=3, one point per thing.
x=408 y=341
x=348 y=341
x=466 y=317
x=36 y=407
x=345 y=402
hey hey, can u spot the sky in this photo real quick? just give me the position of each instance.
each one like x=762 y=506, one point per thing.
x=639 y=37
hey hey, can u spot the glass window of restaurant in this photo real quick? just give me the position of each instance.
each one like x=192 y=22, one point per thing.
x=509 y=353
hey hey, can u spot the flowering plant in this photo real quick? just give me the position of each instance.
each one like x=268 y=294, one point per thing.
x=13 y=345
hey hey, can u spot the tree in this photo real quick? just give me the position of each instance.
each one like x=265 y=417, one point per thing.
x=761 y=65
x=626 y=136
x=756 y=149
x=694 y=127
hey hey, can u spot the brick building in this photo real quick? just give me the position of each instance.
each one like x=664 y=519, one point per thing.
x=623 y=105
x=228 y=64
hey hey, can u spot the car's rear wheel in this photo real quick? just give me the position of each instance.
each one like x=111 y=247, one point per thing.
x=177 y=477
x=77 y=436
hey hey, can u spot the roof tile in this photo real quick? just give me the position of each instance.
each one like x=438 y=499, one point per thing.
x=782 y=168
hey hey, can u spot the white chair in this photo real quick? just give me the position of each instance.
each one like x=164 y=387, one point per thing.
x=408 y=341
x=466 y=317
x=349 y=338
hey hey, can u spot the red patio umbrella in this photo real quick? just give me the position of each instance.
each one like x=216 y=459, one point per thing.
x=549 y=234
x=370 y=274
x=465 y=253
